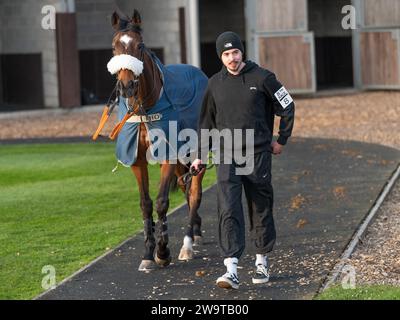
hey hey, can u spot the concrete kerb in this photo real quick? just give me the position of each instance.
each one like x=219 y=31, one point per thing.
x=358 y=234
x=106 y=254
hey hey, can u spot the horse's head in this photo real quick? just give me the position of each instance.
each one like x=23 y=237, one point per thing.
x=128 y=51
x=141 y=85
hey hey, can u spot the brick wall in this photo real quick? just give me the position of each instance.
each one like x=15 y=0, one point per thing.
x=159 y=21
x=93 y=23
x=21 y=32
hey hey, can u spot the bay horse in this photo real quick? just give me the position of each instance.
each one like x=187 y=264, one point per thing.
x=141 y=84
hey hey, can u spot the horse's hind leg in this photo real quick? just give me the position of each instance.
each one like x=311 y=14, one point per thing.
x=163 y=257
x=186 y=252
x=193 y=232
x=146 y=205
x=180 y=170
x=196 y=192
x=194 y=203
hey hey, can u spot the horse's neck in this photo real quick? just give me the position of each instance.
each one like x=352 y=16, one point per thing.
x=151 y=83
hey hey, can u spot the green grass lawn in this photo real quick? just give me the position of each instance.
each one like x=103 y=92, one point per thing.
x=60 y=205
x=361 y=293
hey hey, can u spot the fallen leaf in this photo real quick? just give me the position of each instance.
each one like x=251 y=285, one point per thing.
x=301 y=223
x=297 y=202
x=339 y=192
x=200 y=273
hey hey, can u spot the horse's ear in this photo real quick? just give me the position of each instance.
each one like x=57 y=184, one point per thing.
x=136 y=19
x=115 y=20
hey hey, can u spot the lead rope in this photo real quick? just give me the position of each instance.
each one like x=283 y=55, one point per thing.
x=108 y=109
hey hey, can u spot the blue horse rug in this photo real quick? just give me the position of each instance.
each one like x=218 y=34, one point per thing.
x=178 y=108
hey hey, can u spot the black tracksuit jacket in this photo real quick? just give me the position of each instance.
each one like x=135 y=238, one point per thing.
x=249 y=100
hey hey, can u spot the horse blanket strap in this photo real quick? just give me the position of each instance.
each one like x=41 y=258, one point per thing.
x=145 y=118
x=118 y=127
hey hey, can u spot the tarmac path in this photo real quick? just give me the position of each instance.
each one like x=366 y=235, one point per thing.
x=323 y=189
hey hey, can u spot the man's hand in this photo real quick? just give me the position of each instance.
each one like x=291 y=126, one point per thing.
x=276 y=148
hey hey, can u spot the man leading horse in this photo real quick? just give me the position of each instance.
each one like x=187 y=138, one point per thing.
x=244 y=96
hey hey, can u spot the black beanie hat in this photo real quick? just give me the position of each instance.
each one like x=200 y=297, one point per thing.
x=227 y=41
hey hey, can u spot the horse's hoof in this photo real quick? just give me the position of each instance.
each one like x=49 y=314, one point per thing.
x=147 y=266
x=185 y=254
x=162 y=262
x=198 y=240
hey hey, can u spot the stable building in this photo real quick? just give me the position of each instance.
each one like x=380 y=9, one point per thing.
x=305 y=43
x=302 y=41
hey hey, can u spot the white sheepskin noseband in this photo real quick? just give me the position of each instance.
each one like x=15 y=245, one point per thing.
x=125 y=61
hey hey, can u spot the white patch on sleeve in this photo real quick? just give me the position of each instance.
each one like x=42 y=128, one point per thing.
x=283 y=97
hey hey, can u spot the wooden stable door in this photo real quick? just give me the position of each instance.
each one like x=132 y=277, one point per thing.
x=68 y=60
x=378 y=41
x=378 y=14
x=380 y=59
x=280 y=42
x=281 y=15
x=290 y=57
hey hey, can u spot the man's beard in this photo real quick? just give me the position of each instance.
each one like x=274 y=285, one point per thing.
x=234 y=66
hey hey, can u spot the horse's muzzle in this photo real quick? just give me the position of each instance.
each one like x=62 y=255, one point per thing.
x=127 y=91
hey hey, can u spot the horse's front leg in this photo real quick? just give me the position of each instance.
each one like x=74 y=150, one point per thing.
x=163 y=257
x=193 y=233
x=146 y=205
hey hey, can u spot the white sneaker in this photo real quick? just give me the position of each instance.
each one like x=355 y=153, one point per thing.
x=261 y=275
x=228 y=281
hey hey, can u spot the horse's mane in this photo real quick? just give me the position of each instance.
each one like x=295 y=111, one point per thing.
x=125 y=25
x=135 y=28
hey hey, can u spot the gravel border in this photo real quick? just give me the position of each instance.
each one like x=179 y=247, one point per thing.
x=340 y=269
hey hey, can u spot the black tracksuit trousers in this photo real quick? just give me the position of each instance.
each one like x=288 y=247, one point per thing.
x=259 y=195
